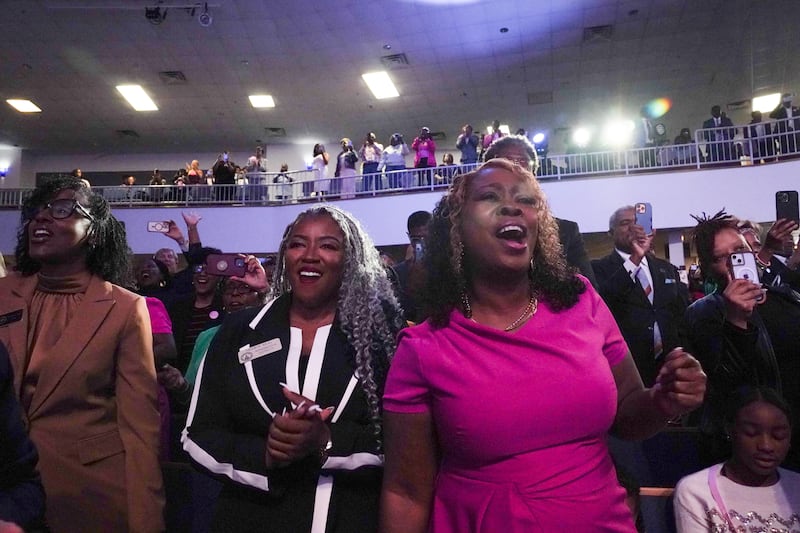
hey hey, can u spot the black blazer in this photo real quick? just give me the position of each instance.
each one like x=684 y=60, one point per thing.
x=21 y=492
x=634 y=313
x=228 y=425
x=572 y=243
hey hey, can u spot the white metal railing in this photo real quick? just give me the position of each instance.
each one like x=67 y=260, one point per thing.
x=777 y=139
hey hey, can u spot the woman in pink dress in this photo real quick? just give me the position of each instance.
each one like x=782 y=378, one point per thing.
x=498 y=406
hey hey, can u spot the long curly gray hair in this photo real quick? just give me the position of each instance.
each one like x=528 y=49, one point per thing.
x=367 y=309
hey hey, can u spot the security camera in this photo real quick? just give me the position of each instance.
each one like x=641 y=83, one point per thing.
x=204 y=18
x=154 y=15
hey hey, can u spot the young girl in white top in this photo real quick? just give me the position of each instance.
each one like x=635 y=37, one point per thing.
x=748 y=492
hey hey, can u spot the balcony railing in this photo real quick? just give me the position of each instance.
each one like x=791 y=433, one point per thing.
x=739 y=145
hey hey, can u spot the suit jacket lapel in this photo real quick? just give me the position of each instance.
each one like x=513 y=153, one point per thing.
x=658 y=274
x=336 y=366
x=82 y=328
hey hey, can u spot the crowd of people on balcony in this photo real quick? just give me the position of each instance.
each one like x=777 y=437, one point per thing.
x=478 y=385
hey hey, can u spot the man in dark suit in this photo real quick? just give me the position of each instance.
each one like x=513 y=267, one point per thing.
x=644 y=293
x=762 y=144
x=788 y=125
x=719 y=132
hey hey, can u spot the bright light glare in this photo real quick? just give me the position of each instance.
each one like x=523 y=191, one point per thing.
x=538 y=138
x=261 y=100
x=380 y=84
x=766 y=103
x=504 y=129
x=24 y=106
x=581 y=137
x=136 y=96
x=618 y=132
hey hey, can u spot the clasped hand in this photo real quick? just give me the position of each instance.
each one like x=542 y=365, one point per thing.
x=680 y=385
x=297 y=433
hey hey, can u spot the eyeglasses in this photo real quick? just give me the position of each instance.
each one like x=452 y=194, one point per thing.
x=237 y=288
x=59 y=209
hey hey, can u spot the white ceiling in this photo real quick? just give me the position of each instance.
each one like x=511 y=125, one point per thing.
x=310 y=56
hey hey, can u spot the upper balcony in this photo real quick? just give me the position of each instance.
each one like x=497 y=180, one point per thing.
x=716 y=171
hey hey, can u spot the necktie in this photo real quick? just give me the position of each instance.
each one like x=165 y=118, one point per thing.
x=648 y=291
x=645 y=283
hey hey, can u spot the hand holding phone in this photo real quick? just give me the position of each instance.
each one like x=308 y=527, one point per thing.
x=743 y=266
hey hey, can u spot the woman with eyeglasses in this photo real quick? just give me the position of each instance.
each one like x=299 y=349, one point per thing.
x=197 y=311
x=82 y=354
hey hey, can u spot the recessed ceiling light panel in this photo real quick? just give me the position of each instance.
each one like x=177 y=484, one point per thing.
x=24 y=106
x=137 y=97
x=380 y=84
x=261 y=100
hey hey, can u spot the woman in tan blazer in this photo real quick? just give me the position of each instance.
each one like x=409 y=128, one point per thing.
x=81 y=349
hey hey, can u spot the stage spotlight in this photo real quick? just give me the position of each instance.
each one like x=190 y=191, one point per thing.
x=618 y=133
x=538 y=138
x=205 y=18
x=581 y=137
x=154 y=15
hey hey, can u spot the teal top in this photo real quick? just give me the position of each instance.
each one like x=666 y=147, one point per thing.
x=199 y=352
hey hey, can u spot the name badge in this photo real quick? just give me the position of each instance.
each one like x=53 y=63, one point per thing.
x=248 y=353
x=8 y=318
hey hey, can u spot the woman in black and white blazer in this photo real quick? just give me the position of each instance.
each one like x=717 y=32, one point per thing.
x=287 y=403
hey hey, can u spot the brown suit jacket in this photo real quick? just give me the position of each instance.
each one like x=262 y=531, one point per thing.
x=94 y=415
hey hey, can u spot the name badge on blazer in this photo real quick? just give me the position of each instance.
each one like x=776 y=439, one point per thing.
x=248 y=353
x=10 y=318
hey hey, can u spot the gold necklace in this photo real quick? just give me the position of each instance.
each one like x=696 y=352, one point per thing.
x=527 y=313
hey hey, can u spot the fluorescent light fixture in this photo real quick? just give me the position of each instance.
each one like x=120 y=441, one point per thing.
x=766 y=103
x=24 y=106
x=136 y=96
x=261 y=100
x=380 y=84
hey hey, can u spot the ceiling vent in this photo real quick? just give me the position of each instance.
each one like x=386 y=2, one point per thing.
x=598 y=34
x=394 y=61
x=438 y=135
x=545 y=97
x=127 y=134
x=172 y=77
x=275 y=132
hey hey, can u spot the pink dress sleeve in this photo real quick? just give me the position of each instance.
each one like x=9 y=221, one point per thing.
x=159 y=319
x=407 y=390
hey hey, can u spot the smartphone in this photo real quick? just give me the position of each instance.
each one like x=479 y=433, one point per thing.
x=786 y=206
x=419 y=249
x=226 y=265
x=643 y=212
x=743 y=266
x=158 y=226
